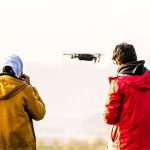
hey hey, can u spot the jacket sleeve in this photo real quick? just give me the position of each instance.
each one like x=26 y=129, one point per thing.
x=113 y=104
x=33 y=103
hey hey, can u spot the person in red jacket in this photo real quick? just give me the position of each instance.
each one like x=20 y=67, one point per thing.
x=127 y=107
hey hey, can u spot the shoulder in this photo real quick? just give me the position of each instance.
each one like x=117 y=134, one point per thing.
x=116 y=83
x=147 y=72
x=28 y=88
x=112 y=79
x=31 y=90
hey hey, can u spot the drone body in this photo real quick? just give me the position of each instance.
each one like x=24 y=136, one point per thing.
x=86 y=57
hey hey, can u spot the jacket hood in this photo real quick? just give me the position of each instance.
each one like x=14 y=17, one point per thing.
x=10 y=86
x=138 y=81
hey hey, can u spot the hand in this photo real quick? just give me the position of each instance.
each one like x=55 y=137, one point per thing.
x=25 y=78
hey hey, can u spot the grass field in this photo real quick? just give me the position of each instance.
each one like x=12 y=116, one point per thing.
x=74 y=145
x=71 y=148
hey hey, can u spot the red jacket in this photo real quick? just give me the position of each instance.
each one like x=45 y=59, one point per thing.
x=128 y=109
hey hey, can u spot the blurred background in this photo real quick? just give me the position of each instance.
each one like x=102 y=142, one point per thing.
x=74 y=91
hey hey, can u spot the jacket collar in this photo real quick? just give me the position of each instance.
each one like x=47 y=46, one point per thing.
x=132 y=68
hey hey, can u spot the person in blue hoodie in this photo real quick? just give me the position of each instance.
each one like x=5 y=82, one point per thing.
x=20 y=103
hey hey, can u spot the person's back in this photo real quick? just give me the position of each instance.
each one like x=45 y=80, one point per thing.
x=19 y=104
x=128 y=107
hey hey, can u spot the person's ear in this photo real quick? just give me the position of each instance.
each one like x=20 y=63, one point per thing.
x=119 y=63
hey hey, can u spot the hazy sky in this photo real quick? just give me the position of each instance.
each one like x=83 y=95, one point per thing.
x=41 y=30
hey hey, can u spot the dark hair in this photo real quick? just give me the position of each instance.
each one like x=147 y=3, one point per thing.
x=124 y=53
x=9 y=70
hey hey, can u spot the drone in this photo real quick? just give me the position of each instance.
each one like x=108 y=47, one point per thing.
x=85 y=56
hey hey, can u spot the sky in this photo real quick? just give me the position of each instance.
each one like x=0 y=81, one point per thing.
x=40 y=31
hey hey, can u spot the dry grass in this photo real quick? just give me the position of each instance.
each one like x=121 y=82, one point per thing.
x=73 y=144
